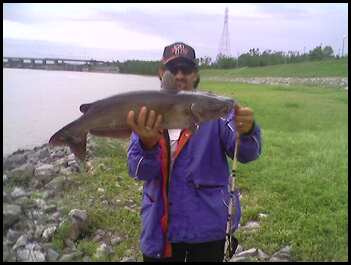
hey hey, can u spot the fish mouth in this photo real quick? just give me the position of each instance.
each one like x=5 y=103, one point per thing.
x=180 y=85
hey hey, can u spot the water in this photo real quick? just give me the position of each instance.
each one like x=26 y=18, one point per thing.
x=37 y=103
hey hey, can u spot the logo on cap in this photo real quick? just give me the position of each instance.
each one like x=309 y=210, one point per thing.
x=179 y=49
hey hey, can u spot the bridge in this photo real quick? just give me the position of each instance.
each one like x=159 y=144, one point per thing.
x=60 y=64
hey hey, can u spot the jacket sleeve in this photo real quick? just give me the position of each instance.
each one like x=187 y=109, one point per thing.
x=143 y=164
x=250 y=144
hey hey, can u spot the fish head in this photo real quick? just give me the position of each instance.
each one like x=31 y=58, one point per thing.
x=168 y=82
x=209 y=106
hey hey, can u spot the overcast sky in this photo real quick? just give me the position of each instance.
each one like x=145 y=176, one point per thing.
x=141 y=30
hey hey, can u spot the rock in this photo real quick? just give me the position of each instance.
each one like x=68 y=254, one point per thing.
x=4 y=178
x=29 y=254
x=239 y=259
x=71 y=256
x=41 y=204
x=115 y=240
x=69 y=243
x=22 y=174
x=24 y=224
x=71 y=157
x=262 y=215
x=44 y=171
x=62 y=162
x=49 y=232
x=78 y=223
x=36 y=214
x=99 y=234
x=251 y=225
x=66 y=171
x=52 y=255
x=18 y=192
x=11 y=214
x=6 y=197
x=57 y=184
x=261 y=255
x=252 y=252
x=129 y=209
x=14 y=160
x=239 y=249
x=281 y=255
x=12 y=236
x=56 y=217
x=50 y=208
x=5 y=252
x=101 y=190
x=59 y=153
x=21 y=242
x=39 y=229
x=78 y=215
x=103 y=250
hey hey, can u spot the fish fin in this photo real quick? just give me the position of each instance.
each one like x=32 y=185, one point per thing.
x=85 y=107
x=78 y=146
x=113 y=133
x=194 y=128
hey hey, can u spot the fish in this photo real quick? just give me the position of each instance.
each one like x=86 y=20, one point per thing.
x=108 y=117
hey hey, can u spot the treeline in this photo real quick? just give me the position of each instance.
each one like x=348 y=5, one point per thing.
x=138 y=67
x=253 y=58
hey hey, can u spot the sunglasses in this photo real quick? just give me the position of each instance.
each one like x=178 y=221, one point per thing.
x=184 y=68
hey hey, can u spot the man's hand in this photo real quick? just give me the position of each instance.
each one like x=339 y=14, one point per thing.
x=149 y=130
x=244 y=119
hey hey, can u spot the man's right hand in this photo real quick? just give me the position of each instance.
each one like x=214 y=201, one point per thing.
x=149 y=130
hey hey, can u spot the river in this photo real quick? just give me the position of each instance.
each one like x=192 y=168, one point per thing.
x=37 y=103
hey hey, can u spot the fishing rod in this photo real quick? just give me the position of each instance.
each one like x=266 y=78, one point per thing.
x=231 y=242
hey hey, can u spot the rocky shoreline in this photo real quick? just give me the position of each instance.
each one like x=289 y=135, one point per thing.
x=34 y=182
x=333 y=82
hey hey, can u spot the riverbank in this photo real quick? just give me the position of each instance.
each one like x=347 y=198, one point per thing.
x=334 y=82
x=39 y=223
x=57 y=210
x=294 y=197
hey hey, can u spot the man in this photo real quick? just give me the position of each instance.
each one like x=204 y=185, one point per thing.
x=184 y=207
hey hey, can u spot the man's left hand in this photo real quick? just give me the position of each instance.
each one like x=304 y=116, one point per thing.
x=244 y=119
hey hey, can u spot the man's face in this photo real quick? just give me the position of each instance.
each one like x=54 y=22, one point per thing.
x=185 y=75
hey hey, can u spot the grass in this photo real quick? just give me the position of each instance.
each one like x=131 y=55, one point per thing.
x=300 y=180
x=116 y=207
x=330 y=68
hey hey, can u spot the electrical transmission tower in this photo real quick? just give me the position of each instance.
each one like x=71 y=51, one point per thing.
x=224 y=44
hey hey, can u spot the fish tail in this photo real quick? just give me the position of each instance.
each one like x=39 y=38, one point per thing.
x=76 y=140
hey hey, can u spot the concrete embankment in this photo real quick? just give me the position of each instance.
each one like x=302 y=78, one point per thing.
x=337 y=82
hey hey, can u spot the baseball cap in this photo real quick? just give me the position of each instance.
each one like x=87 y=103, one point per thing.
x=179 y=52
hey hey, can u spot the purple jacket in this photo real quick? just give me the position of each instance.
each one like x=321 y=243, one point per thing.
x=197 y=191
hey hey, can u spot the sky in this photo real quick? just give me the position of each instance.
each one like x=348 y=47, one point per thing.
x=121 y=31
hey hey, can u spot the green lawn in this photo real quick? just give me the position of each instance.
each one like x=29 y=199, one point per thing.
x=332 y=68
x=300 y=180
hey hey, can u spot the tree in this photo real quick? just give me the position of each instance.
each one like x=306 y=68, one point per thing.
x=316 y=53
x=328 y=52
